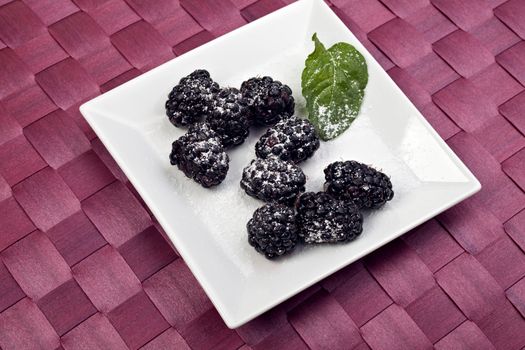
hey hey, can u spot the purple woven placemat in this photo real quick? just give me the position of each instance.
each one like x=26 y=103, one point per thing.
x=84 y=265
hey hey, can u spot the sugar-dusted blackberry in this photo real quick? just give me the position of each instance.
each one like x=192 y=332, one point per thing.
x=292 y=139
x=189 y=100
x=364 y=185
x=228 y=116
x=200 y=155
x=268 y=100
x=273 y=180
x=325 y=219
x=272 y=230
x=199 y=132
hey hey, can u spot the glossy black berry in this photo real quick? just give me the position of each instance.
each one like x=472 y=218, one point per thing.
x=325 y=219
x=273 y=180
x=268 y=100
x=228 y=116
x=359 y=183
x=188 y=101
x=200 y=155
x=272 y=230
x=292 y=139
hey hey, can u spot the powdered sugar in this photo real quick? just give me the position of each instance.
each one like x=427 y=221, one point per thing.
x=273 y=180
x=292 y=139
x=226 y=101
x=324 y=231
x=188 y=101
x=226 y=209
x=213 y=154
x=324 y=219
x=269 y=175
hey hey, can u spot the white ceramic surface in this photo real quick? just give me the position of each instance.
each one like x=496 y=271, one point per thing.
x=208 y=226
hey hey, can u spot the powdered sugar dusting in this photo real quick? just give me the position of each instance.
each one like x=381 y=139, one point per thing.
x=219 y=159
x=272 y=179
x=205 y=87
x=262 y=170
x=226 y=209
x=324 y=231
x=292 y=139
x=226 y=101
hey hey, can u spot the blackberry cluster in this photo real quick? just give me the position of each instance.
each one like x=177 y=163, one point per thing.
x=359 y=183
x=291 y=139
x=273 y=180
x=325 y=219
x=228 y=116
x=189 y=100
x=268 y=100
x=200 y=155
x=290 y=215
x=272 y=230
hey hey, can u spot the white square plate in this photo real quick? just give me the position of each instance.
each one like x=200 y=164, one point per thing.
x=208 y=226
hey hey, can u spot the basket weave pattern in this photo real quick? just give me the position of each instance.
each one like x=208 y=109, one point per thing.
x=84 y=264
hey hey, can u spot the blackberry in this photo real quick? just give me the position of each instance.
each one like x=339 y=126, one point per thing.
x=365 y=186
x=291 y=139
x=188 y=101
x=200 y=156
x=325 y=219
x=268 y=101
x=199 y=132
x=272 y=230
x=273 y=180
x=228 y=116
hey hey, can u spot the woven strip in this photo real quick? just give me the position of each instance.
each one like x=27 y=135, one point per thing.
x=84 y=265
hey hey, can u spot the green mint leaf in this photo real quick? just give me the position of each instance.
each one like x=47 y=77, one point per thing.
x=333 y=84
